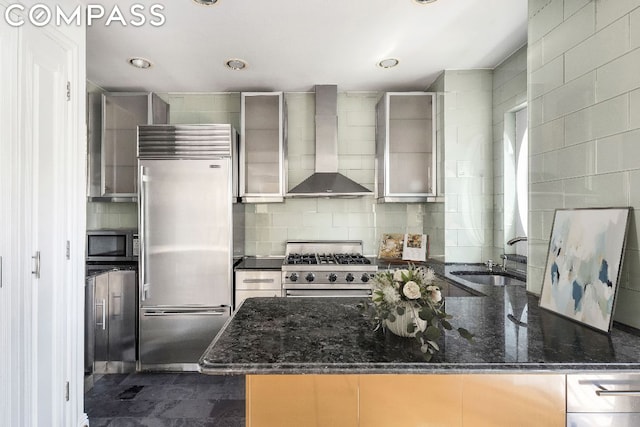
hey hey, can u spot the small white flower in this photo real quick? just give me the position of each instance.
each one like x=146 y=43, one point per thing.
x=411 y=290
x=429 y=275
x=390 y=295
x=434 y=293
x=397 y=275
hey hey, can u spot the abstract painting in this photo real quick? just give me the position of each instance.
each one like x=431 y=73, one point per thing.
x=583 y=264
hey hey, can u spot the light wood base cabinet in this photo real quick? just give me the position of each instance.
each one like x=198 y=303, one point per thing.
x=410 y=400
x=514 y=400
x=406 y=400
x=302 y=400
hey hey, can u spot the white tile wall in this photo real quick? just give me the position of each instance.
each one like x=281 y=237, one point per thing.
x=467 y=231
x=111 y=215
x=508 y=94
x=604 y=46
x=619 y=76
x=584 y=133
x=573 y=30
x=605 y=118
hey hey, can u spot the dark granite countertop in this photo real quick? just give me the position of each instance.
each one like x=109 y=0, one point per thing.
x=330 y=335
x=260 y=263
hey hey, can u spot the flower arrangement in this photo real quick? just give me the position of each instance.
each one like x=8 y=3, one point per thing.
x=406 y=302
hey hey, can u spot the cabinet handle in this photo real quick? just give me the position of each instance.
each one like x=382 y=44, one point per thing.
x=258 y=280
x=36 y=270
x=203 y=312
x=629 y=393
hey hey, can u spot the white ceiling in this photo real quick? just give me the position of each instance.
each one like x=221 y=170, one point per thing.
x=291 y=45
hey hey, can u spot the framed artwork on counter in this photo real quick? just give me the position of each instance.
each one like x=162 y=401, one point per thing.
x=582 y=271
x=403 y=247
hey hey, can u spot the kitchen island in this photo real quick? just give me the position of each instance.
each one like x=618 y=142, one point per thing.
x=331 y=363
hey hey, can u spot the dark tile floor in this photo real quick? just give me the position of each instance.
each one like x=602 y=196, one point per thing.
x=166 y=400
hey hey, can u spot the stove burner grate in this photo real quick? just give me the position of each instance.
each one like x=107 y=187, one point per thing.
x=295 y=259
x=352 y=259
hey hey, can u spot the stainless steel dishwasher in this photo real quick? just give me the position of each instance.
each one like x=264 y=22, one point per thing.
x=110 y=321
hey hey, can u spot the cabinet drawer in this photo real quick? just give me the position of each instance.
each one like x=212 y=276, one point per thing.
x=584 y=419
x=258 y=279
x=603 y=393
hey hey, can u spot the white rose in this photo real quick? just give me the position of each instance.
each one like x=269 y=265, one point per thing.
x=411 y=290
x=397 y=275
x=434 y=293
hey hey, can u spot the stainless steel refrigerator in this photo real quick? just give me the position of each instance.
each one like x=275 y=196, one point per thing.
x=186 y=224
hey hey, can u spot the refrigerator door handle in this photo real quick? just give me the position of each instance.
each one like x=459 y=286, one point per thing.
x=143 y=179
x=187 y=312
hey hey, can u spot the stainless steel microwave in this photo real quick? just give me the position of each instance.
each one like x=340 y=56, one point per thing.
x=113 y=245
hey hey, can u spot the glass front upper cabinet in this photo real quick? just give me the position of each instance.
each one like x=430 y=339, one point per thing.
x=406 y=147
x=262 y=145
x=113 y=134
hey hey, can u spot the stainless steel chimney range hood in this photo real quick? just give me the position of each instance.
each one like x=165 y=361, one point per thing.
x=326 y=181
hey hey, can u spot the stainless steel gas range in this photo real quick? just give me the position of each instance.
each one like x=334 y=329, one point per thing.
x=326 y=269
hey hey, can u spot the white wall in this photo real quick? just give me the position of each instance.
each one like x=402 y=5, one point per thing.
x=584 y=123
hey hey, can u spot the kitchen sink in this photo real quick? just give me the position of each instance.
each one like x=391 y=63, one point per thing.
x=489 y=278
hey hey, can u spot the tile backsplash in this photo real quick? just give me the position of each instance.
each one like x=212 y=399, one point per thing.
x=111 y=215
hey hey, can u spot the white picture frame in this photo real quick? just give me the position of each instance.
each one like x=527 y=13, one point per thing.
x=583 y=266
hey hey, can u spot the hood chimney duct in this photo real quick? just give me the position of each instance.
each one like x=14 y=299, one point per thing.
x=326 y=181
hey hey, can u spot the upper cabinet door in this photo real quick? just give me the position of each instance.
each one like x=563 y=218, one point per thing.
x=406 y=147
x=113 y=139
x=262 y=146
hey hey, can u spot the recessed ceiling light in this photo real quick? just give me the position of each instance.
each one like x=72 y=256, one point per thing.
x=206 y=2
x=236 y=64
x=388 y=63
x=140 y=62
x=425 y=1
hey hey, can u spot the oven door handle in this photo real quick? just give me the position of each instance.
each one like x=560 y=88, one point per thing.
x=322 y=293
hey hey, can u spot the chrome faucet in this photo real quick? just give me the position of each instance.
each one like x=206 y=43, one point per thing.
x=516 y=240
x=504 y=262
x=490 y=264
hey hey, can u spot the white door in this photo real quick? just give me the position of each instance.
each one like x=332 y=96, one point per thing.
x=44 y=129
x=9 y=375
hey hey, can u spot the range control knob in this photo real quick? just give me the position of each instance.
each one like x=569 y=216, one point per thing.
x=333 y=277
x=293 y=277
x=310 y=277
x=365 y=277
x=349 y=277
